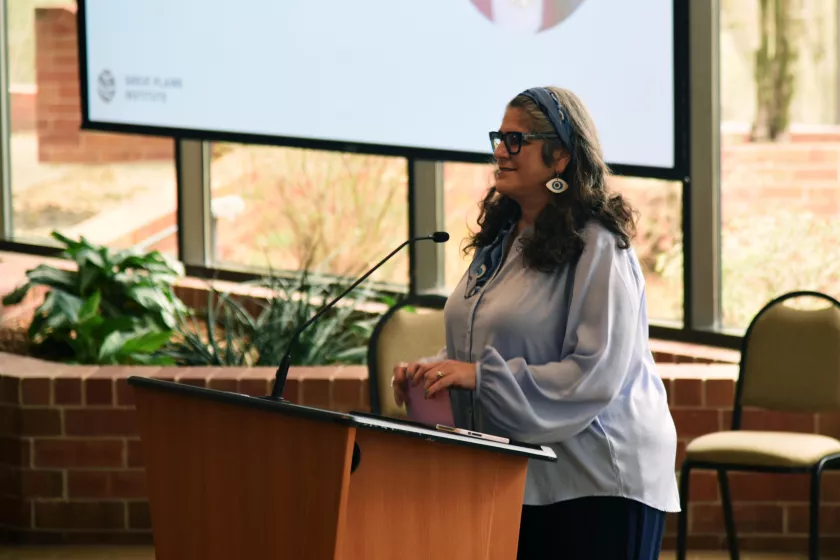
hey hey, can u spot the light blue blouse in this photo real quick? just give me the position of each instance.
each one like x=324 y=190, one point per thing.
x=563 y=360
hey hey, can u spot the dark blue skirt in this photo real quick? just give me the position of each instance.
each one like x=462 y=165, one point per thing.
x=597 y=528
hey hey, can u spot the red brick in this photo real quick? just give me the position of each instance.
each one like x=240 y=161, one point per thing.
x=9 y=421
x=703 y=486
x=40 y=422
x=9 y=482
x=41 y=484
x=664 y=358
x=79 y=453
x=80 y=515
x=816 y=174
x=767 y=487
x=254 y=386
x=135 y=453
x=669 y=390
x=798 y=519
x=9 y=390
x=830 y=486
x=35 y=391
x=100 y=422
x=68 y=390
x=753 y=419
x=14 y=512
x=346 y=394
x=139 y=515
x=224 y=382
x=124 y=392
x=749 y=518
x=316 y=386
x=15 y=452
x=828 y=423
x=292 y=391
x=197 y=376
x=101 y=484
x=720 y=393
x=695 y=422
x=99 y=391
x=365 y=404
x=687 y=392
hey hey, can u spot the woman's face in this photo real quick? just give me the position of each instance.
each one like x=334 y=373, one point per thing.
x=523 y=176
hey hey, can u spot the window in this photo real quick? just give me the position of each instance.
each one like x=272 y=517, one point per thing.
x=290 y=209
x=114 y=189
x=464 y=187
x=780 y=188
x=658 y=242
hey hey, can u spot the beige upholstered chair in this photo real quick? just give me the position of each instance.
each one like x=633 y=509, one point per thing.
x=410 y=330
x=790 y=361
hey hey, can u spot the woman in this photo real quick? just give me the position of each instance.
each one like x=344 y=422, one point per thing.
x=547 y=341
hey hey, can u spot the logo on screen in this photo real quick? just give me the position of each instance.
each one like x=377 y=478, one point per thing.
x=526 y=15
x=106 y=86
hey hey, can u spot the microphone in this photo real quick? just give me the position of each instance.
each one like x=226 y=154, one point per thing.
x=283 y=369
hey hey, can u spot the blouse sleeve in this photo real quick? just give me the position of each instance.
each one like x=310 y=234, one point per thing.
x=551 y=402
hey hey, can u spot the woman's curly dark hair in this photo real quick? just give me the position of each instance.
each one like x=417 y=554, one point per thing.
x=558 y=230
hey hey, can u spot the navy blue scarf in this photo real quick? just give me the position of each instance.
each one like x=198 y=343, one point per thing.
x=486 y=261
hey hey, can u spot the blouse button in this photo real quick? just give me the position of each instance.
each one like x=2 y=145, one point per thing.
x=481 y=270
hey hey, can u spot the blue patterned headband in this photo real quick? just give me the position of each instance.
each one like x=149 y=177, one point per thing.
x=548 y=103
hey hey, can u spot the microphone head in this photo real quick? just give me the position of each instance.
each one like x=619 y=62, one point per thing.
x=440 y=237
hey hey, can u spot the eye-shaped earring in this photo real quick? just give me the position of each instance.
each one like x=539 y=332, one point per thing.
x=557 y=185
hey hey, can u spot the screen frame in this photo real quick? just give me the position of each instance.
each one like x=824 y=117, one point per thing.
x=680 y=171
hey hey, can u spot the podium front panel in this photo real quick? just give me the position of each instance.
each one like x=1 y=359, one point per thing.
x=227 y=480
x=416 y=499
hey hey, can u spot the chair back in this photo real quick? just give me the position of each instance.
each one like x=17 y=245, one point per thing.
x=411 y=330
x=790 y=357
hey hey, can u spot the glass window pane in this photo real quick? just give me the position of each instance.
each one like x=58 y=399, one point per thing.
x=282 y=208
x=114 y=189
x=780 y=176
x=658 y=242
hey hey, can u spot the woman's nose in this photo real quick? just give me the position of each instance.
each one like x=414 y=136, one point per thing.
x=501 y=151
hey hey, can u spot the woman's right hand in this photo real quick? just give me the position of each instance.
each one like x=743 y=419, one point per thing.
x=403 y=374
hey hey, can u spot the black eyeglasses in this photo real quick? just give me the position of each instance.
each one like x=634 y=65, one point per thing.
x=513 y=140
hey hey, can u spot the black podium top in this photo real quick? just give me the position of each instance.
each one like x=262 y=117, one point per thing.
x=358 y=420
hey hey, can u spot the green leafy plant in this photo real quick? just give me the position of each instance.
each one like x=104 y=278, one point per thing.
x=238 y=330
x=114 y=308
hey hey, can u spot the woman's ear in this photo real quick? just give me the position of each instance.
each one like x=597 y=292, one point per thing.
x=561 y=158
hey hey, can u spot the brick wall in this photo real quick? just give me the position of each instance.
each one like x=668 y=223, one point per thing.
x=22 y=100
x=802 y=173
x=59 y=105
x=71 y=460
x=71 y=467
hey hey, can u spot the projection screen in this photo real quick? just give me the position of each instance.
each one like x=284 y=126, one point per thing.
x=423 y=78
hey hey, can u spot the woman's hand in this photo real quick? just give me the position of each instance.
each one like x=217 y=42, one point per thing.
x=434 y=376
x=437 y=376
x=403 y=373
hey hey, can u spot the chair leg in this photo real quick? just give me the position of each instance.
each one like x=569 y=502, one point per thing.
x=728 y=518
x=814 y=529
x=682 y=526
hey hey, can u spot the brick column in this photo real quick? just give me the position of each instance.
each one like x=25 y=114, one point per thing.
x=59 y=103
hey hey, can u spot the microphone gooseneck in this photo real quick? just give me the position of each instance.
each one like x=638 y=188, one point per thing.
x=285 y=363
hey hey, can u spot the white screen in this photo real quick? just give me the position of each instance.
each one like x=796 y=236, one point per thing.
x=428 y=74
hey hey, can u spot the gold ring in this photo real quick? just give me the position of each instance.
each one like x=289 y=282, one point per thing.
x=440 y=374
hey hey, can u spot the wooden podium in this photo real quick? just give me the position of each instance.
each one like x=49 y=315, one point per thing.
x=235 y=477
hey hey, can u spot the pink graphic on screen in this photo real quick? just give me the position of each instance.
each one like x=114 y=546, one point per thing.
x=529 y=15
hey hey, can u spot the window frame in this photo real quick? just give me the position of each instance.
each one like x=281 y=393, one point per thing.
x=697 y=150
